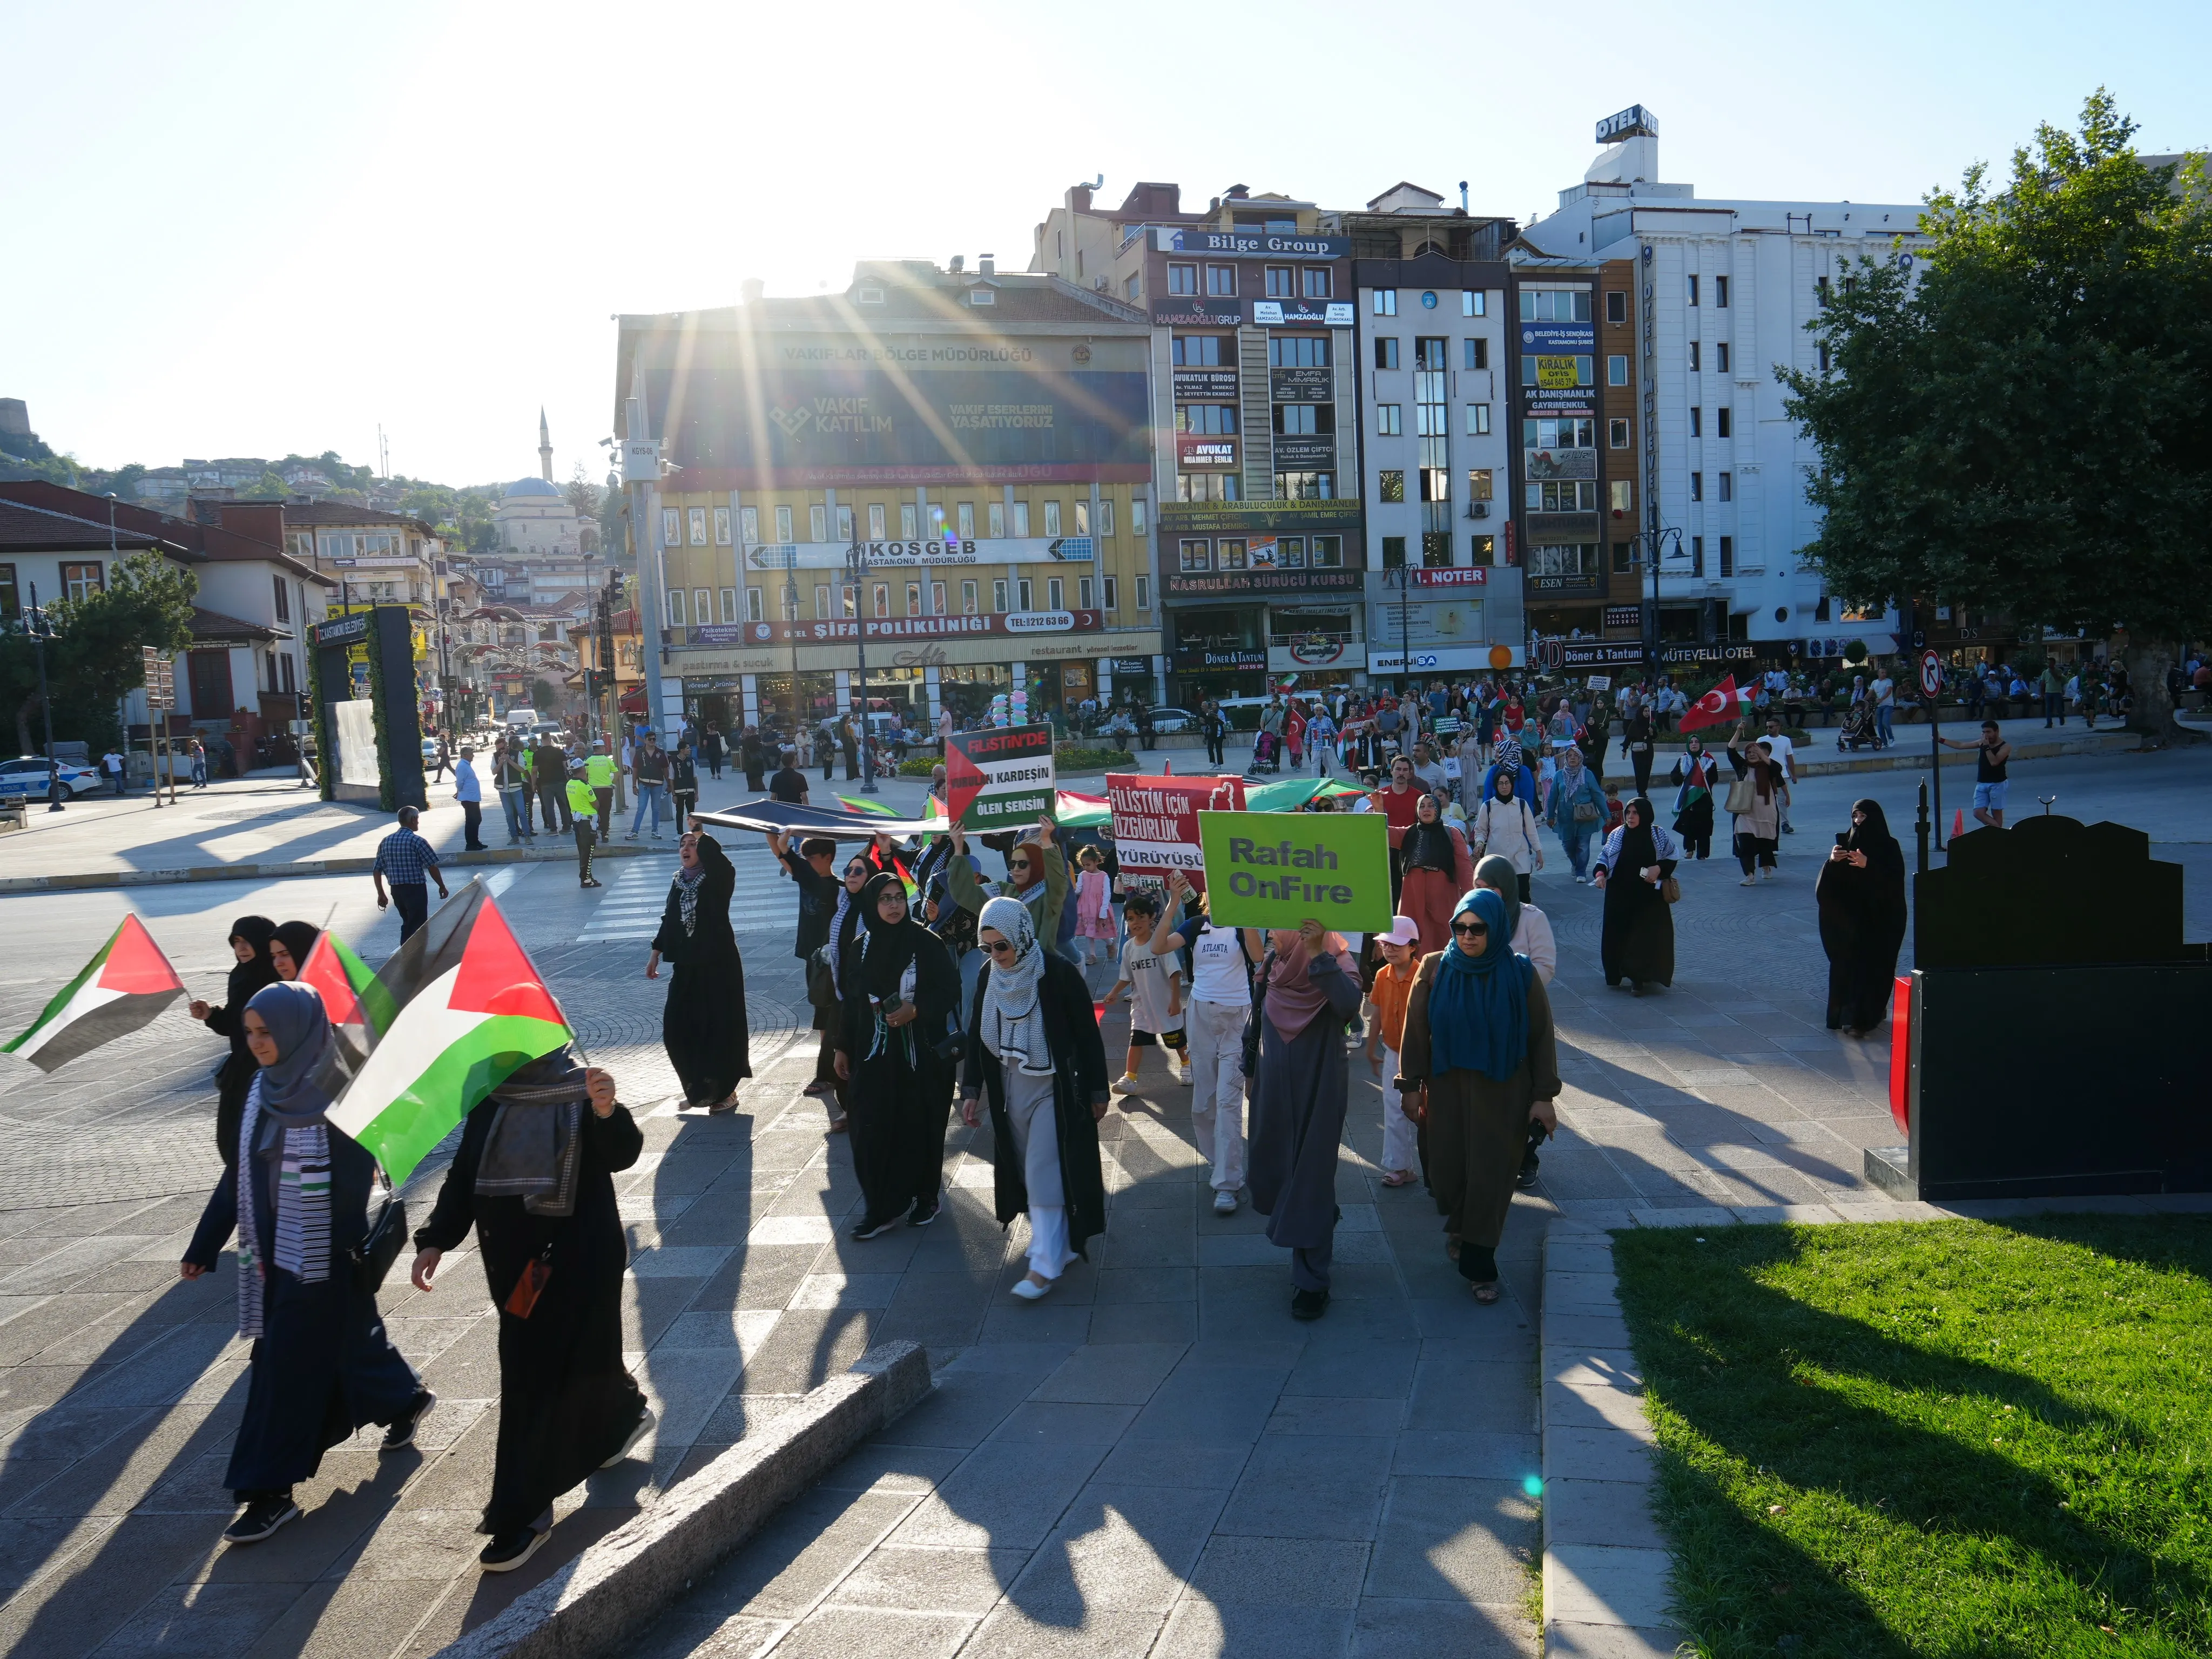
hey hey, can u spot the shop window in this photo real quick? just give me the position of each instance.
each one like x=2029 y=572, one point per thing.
x=1328 y=552
x=1197 y=555
x=1229 y=554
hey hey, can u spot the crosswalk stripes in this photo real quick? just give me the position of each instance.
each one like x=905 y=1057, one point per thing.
x=765 y=899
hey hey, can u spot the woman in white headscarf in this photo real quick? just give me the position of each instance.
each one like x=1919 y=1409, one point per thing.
x=1033 y=1045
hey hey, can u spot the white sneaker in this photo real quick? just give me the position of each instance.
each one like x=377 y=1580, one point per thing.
x=1030 y=1291
x=1225 y=1202
x=1126 y=1083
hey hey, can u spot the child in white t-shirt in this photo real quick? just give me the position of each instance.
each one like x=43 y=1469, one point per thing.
x=1154 y=984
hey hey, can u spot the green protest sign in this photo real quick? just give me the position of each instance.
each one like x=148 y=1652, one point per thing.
x=1275 y=869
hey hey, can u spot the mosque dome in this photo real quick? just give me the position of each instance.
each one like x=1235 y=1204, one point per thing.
x=542 y=487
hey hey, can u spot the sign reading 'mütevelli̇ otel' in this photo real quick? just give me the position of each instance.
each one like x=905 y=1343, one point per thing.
x=1276 y=869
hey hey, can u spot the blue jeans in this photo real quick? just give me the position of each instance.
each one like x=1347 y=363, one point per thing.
x=1575 y=838
x=1881 y=713
x=518 y=826
x=648 y=794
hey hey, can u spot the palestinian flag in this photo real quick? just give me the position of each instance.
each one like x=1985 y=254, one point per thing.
x=861 y=804
x=120 y=989
x=483 y=1011
x=357 y=1003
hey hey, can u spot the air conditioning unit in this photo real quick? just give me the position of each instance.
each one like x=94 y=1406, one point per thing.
x=1478 y=509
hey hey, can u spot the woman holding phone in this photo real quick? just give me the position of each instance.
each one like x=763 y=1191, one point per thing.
x=896 y=1056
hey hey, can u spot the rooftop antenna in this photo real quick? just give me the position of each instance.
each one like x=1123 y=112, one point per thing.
x=1463 y=195
x=383 y=453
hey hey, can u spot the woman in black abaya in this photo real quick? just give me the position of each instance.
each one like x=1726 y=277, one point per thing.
x=703 y=1025
x=1638 y=944
x=902 y=998
x=535 y=1176
x=1861 y=893
x=250 y=937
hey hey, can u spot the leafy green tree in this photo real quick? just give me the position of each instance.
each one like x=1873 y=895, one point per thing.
x=267 y=487
x=94 y=658
x=545 y=697
x=2025 y=425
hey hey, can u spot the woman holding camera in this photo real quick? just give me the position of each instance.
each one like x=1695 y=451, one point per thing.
x=896 y=1056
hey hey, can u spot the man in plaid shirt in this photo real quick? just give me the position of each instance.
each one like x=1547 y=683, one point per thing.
x=403 y=858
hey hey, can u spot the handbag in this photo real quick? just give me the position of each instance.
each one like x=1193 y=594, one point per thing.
x=1588 y=811
x=1671 y=891
x=1251 y=1055
x=821 y=982
x=1741 y=796
x=374 y=1256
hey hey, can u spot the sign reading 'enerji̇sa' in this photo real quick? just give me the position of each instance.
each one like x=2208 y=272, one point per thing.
x=1277 y=869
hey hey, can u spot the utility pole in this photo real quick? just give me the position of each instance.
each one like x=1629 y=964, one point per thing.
x=40 y=631
x=856 y=570
x=641 y=473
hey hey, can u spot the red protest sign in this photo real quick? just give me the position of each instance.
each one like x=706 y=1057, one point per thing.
x=1156 y=819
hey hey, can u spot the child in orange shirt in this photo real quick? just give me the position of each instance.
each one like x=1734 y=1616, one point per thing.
x=1386 y=1030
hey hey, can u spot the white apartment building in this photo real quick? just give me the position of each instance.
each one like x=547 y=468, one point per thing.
x=1724 y=292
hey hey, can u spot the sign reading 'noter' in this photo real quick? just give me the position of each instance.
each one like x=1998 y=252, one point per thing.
x=1277 y=869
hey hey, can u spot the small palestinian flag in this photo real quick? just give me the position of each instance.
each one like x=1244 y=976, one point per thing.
x=358 y=1004
x=120 y=989
x=485 y=1012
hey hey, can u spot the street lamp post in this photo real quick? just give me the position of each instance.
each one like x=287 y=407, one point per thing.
x=1401 y=578
x=856 y=570
x=41 y=630
x=1651 y=546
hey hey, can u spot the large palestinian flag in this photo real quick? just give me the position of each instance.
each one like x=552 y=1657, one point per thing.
x=482 y=1012
x=120 y=989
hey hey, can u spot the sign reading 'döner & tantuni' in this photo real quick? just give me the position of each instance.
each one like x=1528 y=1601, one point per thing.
x=1276 y=869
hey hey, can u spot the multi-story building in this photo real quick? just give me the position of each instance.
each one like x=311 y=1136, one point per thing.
x=1443 y=594
x=1722 y=291
x=1259 y=542
x=978 y=437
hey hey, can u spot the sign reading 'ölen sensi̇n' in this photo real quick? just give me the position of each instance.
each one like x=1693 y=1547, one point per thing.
x=999 y=778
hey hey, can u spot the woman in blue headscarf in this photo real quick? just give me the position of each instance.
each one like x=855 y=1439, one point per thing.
x=1479 y=1065
x=298 y=1197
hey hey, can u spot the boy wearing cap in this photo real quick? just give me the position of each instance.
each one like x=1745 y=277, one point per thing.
x=1386 y=1032
x=1153 y=981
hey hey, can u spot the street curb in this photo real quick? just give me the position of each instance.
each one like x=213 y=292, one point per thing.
x=1607 y=1571
x=619 y=1585
x=83 y=880
x=1898 y=758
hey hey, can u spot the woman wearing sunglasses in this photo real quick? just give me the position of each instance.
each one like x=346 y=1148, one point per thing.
x=1033 y=1047
x=1037 y=875
x=1479 y=1063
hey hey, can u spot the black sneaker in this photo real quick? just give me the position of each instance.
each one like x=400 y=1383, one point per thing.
x=401 y=1434
x=509 y=1550
x=923 y=1216
x=262 y=1517
x=1526 y=1180
x=867 y=1227
x=1308 y=1304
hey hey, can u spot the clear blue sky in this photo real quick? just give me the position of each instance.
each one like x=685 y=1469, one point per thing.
x=248 y=227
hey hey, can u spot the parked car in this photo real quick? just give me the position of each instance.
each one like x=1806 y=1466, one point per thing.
x=1168 y=722
x=29 y=775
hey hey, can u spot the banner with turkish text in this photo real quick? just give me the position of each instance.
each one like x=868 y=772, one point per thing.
x=1156 y=819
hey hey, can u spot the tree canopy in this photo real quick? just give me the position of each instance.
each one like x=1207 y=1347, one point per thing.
x=2023 y=422
x=94 y=658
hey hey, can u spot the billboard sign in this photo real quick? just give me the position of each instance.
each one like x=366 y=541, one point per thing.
x=1301 y=314
x=892 y=629
x=1206 y=386
x=1204 y=449
x=1249 y=244
x=903 y=555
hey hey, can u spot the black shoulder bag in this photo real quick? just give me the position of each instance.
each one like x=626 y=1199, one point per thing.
x=1258 y=1006
x=374 y=1256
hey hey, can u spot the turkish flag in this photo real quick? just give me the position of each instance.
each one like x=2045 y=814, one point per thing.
x=1724 y=702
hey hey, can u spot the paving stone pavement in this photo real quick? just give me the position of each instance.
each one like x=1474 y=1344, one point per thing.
x=1155 y=1460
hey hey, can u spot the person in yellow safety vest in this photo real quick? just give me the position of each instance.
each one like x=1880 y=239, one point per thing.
x=581 y=807
x=600 y=772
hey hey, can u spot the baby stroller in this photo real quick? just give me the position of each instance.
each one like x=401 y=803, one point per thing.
x=1266 y=752
x=1858 y=728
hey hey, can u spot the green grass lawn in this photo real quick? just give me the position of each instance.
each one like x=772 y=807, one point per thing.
x=1951 y=1439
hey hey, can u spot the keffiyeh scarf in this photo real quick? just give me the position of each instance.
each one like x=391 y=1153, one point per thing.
x=303 y=1232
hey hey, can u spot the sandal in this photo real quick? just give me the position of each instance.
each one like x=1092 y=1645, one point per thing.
x=1487 y=1293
